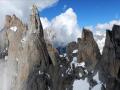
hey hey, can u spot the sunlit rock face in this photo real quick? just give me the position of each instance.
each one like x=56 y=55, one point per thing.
x=39 y=59
x=26 y=50
x=13 y=32
x=88 y=50
x=110 y=62
x=37 y=38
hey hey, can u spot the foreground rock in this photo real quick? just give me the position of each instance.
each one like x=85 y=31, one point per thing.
x=13 y=32
x=27 y=54
x=110 y=63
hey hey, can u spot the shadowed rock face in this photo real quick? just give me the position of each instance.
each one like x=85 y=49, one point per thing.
x=69 y=49
x=110 y=62
x=88 y=50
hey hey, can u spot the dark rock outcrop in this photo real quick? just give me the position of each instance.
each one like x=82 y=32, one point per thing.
x=88 y=50
x=110 y=62
x=69 y=49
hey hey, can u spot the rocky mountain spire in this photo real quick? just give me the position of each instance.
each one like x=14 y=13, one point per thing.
x=27 y=52
x=110 y=62
x=37 y=29
x=38 y=55
x=35 y=21
x=88 y=50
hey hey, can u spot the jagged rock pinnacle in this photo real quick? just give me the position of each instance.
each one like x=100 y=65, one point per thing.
x=88 y=50
x=36 y=24
x=110 y=62
x=87 y=34
x=34 y=10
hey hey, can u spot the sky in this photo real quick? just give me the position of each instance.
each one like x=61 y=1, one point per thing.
x=89 y=12
x=96 y=15
x=65 y=19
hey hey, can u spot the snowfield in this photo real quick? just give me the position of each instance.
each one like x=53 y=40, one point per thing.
x=82 y=64
x=84 y=85
x=81 y=85
x=75 y=51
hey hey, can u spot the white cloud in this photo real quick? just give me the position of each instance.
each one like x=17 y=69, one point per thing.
x=21 y=7
x=89 y=27
x=100 y=38
x=65 y=27
x=45 y=22
x=108 y=25
x=100 y=32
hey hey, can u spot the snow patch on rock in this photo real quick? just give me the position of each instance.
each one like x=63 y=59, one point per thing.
x=82 y=64
x=14 y=28
x=6 y=58
x=97 y=87
x=75 y=51
x=23 y=39
x=40 y=72
x=81 y=85
x=96 y=77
